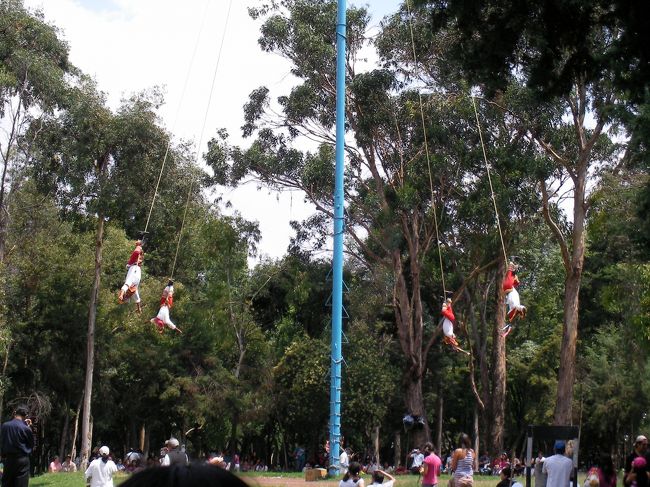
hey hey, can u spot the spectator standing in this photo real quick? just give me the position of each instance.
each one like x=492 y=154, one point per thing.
x=418 y=459
x=606 y=471
x=558 y=467
x=540 y=476
x=174 y=455
x=462 y=463
x=640 y=450
x=431 y=467
x=101 y=470
x=344 y=460
x=17 y=445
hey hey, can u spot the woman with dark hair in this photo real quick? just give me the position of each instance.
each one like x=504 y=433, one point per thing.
x=352 y=477
x=194 y=475
x=462 y=463
x=606 y=471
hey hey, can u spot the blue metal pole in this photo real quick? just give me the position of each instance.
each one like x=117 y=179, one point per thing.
x=337 y=259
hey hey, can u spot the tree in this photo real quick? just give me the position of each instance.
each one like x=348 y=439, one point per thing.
x=33 y=66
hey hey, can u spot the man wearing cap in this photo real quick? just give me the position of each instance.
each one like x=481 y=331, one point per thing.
x=101 y=470
x=640 y=450
x=558 y=468
x=174 y=456
x=17 y=444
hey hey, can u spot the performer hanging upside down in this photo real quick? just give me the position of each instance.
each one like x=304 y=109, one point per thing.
x=448 y=320
x=510 y=283
x=166 y=302
x=133 y=276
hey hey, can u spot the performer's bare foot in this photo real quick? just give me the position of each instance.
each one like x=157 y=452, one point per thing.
x=138 y=308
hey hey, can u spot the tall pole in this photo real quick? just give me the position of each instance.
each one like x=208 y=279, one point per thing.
x=337 y=259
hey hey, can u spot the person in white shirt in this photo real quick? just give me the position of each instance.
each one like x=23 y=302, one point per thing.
x=418 y=458
x=101 y=470
x=558 y=468
x=344 y=461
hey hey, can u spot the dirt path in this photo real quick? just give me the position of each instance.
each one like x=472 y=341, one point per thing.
x=287 y=482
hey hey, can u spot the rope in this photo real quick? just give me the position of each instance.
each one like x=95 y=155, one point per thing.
x=178 y=111
x=426 y=148
x=487 y=168
x=198 y=152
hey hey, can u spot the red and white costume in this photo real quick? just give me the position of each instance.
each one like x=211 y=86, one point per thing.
x=166 y=302
x=448 y=320
x=133 y=274
x=510 y=283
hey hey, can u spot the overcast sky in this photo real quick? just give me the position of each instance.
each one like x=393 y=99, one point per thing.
x=132 y=45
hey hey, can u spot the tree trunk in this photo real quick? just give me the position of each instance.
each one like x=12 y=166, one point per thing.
x=566 y=375
x=414 y=400
x=441 y=405
x=375 y=444
x=498 y=400
x=398 y=449
x=64 y=431
x=143 y=432
x=477 y=435
x=86 y=432
x=4 y=374
x=75 y=430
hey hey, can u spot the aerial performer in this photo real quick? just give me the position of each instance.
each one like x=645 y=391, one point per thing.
x=448 y=320
x=166 y=302
x=515 y=308
x=133 y=276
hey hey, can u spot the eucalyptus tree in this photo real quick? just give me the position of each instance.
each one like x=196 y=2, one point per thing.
x=100 y=165
x=396 y=185
x=33 y=68
x=561 y=89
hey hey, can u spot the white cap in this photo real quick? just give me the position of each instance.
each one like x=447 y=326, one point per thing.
x=104 y=450
x=173 y=442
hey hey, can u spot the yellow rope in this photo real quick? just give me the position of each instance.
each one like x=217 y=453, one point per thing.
x=487 y=168
x=198 y=147
x=426 y=148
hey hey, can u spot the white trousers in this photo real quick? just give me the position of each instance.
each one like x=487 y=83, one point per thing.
x=447 y=327
x=133 y=276
x=163 y=315
x=512 y=300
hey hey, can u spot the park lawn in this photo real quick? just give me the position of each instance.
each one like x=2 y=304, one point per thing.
x=67 y=480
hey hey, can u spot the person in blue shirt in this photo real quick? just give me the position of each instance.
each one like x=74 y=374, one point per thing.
x=17 y=444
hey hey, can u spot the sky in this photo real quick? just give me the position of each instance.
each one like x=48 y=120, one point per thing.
x=132 y=45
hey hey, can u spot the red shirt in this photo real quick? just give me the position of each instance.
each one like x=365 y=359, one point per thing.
x=448 y=313
x=510 y=281
x=433 y=464
x=134 y=256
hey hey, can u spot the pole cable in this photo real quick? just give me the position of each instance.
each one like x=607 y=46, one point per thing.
x=198 y=147
x=178 y=111
x=487 y=168
x=426 y=148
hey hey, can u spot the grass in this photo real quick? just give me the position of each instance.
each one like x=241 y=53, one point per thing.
x=76 y=479
x=67 y=480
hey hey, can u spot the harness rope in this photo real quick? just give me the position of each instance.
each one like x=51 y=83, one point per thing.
x=178 y=111
x=198 y=152
x=487 y=168
x=426 y=148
